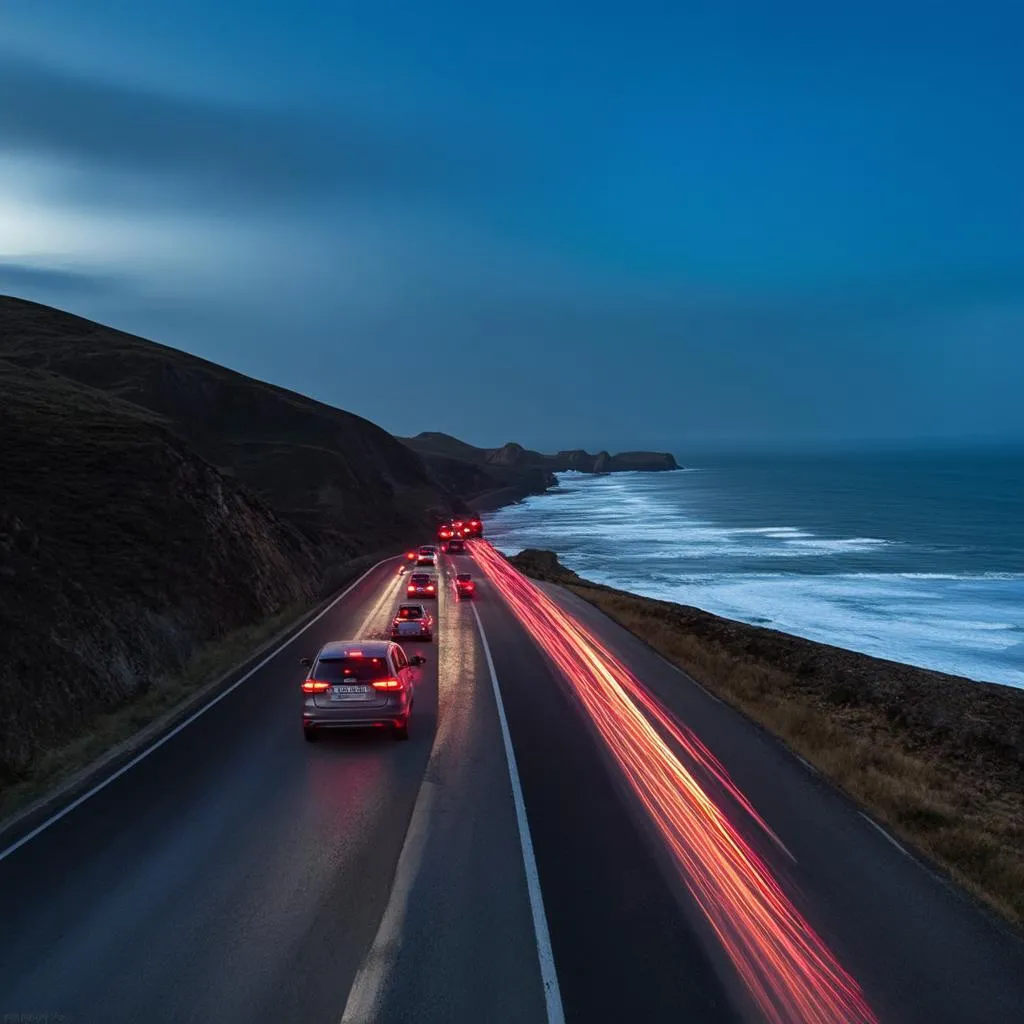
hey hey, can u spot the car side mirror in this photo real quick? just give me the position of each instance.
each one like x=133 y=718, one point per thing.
x=307 y=662
x=417 y=659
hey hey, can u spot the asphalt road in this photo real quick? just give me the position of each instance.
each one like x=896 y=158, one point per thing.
x=240 y=874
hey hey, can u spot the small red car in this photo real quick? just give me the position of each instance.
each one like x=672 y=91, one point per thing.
x=412 y=622
x=464 y=585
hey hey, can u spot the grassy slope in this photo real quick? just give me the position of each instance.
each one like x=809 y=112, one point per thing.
x=940 y=759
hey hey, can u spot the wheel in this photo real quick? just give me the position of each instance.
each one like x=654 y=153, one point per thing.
x=401 y=732
x=310 y=734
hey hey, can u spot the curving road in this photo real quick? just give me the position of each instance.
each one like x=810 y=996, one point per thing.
x=237 y=873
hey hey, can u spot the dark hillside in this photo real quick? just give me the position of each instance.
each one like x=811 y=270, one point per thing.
x=121 y=551
x=348 y=484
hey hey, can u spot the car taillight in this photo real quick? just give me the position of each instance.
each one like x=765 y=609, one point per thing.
x=315 y=686
x=430 y=586
x=410 y=589
x=387 y=684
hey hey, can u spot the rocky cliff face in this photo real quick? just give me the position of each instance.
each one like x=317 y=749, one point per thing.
x=121 y=551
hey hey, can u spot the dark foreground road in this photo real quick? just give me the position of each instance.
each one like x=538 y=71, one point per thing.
x=239 y=874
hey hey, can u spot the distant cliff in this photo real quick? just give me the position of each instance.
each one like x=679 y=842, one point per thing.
x=513 y=468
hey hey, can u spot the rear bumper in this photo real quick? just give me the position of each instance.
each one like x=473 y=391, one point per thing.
x=350 y=716
x=412 y=636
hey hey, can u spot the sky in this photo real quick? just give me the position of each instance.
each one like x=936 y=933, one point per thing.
x=664 y=224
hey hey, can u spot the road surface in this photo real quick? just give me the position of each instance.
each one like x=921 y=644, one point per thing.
x=237 y=873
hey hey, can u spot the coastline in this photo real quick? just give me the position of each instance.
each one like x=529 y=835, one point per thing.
x=938 y=758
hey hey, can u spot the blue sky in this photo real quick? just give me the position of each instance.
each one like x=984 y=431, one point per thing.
x=651 y=223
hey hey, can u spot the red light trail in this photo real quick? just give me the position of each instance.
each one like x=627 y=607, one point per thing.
x=790 y=973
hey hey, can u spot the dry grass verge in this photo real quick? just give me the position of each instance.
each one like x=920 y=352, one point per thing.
x=938 y=758
x=107 y=732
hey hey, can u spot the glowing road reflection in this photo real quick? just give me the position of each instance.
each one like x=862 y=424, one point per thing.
x=790 y=973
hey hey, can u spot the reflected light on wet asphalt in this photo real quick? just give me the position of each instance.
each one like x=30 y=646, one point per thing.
x=788 y=970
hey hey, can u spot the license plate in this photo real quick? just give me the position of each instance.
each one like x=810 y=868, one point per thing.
x=349 y=692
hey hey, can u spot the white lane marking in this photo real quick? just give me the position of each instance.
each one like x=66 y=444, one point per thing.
x=364 y=997
x=878 y=828
x=810 y=767
x=386 y=597
x=549 y=978
x=53 y=819
x=362 y=1006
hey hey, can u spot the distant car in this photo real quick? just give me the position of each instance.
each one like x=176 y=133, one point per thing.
x=425 y=561
x=474 y=528
x=428 y=549
x=422 y=584
x=444 y=531
x=455 y=546
x=412 y=623
x=464 y=585
x=353 y=683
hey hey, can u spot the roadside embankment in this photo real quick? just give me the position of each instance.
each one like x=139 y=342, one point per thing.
x=938 y=758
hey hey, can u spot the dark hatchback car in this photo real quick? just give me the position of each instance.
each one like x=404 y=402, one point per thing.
x=455 y=546
x=359 y=684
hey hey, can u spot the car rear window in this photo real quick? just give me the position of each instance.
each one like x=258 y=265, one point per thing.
x=420 y=577
x=463 y=577
x=359 y=670
x=410 y=613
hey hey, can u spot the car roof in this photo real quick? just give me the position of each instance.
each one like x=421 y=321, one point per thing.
x=341 y=648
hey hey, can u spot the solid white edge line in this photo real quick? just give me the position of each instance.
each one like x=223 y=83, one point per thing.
x=878 y=828
x=548 y=975
x=64 y=811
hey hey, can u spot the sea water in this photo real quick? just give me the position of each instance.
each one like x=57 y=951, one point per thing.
x=916 y=557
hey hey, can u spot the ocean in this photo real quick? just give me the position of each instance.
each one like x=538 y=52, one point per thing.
x=914 y=557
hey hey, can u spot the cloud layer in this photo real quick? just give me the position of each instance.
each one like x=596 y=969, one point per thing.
x=587 y=253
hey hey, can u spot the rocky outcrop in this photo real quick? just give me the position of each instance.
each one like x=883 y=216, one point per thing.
x=513 y=456
x=510 y=454
x=645 y=462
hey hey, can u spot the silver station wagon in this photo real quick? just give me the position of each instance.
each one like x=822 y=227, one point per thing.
x=359 y=684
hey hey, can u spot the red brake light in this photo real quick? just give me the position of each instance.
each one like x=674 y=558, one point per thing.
x=315 y=686
x=410 y=589
x=387 y=684
x=430 y=586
